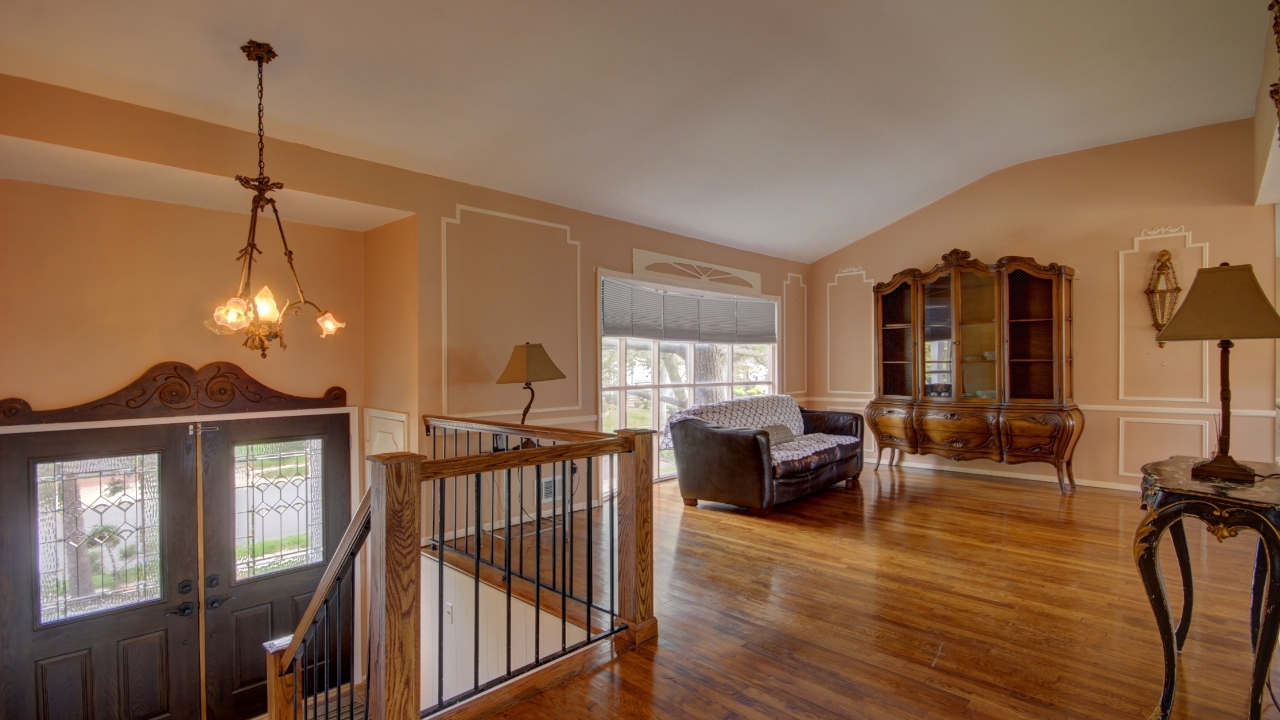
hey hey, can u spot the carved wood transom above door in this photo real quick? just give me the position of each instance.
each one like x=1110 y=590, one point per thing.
x=174 y=389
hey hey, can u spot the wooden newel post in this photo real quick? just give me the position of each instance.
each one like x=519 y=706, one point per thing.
x=635 y=537
x=395 y=588
x=279 y=681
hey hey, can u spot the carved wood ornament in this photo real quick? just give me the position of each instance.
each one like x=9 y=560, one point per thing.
x=172 y=389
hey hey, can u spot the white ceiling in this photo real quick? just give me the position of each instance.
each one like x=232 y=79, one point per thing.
x=789 y=128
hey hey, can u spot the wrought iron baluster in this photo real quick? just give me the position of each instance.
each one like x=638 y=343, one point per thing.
x=565 y=532
x=440 y=603
x=476 y=589
x=506 y=563
x=591 y=578
x=338 y=653
x=537 y=570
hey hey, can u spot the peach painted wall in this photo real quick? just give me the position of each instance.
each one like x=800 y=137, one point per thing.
x=99 y=287
x=1085 y=210
x=490 y=290
x=390 y=284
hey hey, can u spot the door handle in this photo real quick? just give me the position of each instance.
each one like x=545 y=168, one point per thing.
x=216 y=602
x=185 y=609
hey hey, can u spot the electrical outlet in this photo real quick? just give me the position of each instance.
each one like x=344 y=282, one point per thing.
x=448 y=612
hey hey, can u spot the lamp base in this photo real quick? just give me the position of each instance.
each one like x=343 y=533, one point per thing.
x=1223 y=467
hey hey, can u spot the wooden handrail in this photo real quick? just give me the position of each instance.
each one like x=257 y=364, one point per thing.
x=501 y=428
x=357 y=531
x=280 y=655
x=488 y=462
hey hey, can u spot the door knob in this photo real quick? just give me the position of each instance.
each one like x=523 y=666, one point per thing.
x=216 y=602
x=185 y=609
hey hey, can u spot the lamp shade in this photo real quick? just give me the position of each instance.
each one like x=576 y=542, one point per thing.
x=529 y=363
x=1224 y=303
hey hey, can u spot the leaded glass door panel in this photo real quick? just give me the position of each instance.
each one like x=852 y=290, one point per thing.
x=97 y=532
x=277 y=498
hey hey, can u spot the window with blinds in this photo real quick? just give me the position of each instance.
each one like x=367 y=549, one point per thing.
x=628 y=310
x=666 y=352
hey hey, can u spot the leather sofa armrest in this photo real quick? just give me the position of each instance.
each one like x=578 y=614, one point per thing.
x=720 y=464
x=832 y=423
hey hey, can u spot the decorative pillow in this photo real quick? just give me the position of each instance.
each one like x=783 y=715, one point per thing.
x=779 y=434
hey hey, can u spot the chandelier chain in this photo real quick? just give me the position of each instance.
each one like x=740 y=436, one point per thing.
x=262 y=167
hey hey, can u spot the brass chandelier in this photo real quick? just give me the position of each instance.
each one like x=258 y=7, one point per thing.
x=261 y=318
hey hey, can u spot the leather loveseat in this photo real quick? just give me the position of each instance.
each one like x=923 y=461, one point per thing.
x=723 y=454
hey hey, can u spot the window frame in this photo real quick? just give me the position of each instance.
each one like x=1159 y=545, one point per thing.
x=655 y=385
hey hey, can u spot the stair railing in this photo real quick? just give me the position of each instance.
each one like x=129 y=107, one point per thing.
x=454 y=510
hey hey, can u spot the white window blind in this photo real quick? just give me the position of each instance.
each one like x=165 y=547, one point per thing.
x=628 y=310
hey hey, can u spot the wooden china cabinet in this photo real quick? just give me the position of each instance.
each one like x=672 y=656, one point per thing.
x=973 y=361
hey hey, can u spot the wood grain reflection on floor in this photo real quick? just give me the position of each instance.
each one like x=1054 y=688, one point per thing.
x=920 y=595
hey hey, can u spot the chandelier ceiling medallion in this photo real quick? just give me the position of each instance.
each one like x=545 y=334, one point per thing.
x=261 y=318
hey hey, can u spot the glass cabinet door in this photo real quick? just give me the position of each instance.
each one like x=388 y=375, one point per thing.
x=895 y=342
x=979 y=358
x=939 y=365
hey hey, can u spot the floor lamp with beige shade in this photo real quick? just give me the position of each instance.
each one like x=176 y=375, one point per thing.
x=1225 y=303
x=529 y=364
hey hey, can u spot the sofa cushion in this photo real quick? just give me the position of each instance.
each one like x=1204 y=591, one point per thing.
x=750 y=412
x=779 y=434
x=810 y=452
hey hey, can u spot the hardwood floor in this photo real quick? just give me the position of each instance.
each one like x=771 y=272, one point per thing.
x=920 y=595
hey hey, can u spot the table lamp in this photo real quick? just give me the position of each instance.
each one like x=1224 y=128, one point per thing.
x=1225 y=303
x=529 y=364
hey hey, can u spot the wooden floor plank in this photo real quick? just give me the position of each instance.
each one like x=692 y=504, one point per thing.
x=919 y=595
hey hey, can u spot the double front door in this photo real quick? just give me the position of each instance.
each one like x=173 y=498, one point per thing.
x=143 y=564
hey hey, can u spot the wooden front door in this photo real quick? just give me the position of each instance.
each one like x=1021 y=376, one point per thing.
x=99 y=613
x=276 y=502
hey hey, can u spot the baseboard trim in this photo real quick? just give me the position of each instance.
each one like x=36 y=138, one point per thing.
x=1126 y=487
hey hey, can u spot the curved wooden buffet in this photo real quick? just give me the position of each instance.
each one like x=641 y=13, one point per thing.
x=973 y=361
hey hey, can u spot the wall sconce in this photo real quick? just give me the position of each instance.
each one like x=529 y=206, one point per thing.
x=1162 y=291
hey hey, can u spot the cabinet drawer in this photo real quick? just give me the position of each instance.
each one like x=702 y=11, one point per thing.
x=887 y=417
x=957 y=421
x=902 y=437
x=946 y=440
x=1031 y=446
x=1032 y=424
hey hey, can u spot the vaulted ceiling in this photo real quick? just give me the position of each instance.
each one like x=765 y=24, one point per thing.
x=788 y=128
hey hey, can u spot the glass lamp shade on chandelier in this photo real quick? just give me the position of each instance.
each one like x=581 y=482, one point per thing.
x=261 y=318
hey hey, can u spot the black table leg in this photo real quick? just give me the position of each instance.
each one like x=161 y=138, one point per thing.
x=1259 y=590
x=1266 y=645
x=1179 y=537
x=1146 y=546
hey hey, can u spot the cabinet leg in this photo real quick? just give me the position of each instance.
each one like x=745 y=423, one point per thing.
x=880 y=454
x=1066 y=484
x=691 y=502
